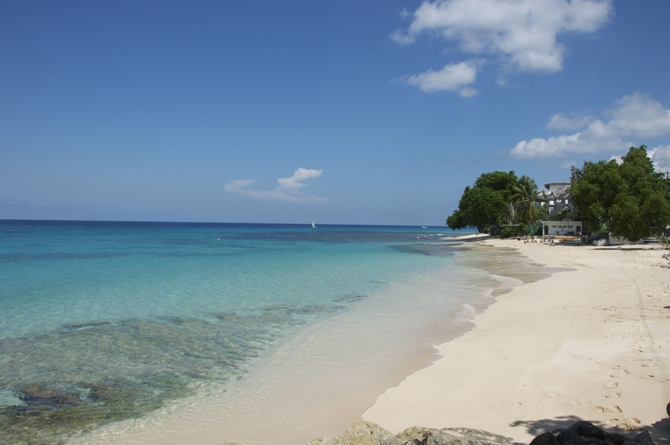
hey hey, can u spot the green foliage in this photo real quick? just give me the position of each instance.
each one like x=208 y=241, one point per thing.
x=484 y=204
x=523 y=197
x=542 y=213
x=565 y=214
x=630 y=199
x=516 y=230
x=500 y=181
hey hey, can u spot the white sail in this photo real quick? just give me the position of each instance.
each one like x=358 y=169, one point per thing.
x=313 y=225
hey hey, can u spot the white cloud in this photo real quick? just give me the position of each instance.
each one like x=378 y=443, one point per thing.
x=617 y=158
x=560 y=122
x=641 y=116
x=568 y=164
x=523 y=32
x=660 y=156
x=467 y=92
x=453 y=77
x=288 y=189
x=634 y=116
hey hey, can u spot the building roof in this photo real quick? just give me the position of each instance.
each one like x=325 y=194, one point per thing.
x=557 y=185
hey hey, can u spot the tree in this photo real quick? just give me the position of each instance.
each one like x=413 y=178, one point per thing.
x=523 y=199
x=630 y=199
x=564 y=214
x=485 y=203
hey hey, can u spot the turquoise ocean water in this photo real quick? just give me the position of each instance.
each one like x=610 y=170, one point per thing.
x=106 y=321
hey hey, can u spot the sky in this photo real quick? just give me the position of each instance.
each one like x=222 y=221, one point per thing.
x=334 y=111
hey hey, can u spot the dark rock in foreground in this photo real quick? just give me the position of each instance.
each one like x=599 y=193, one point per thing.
x=368 y=433
x=581 y=433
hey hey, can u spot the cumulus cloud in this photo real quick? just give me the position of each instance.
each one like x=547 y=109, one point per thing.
x=453 y=77
x=523 y=32
x=560 y=122
x=660 y=156
x=639 y=115
x=634 y=116
x=288 y=189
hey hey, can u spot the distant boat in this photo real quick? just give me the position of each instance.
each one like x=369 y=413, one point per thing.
x=424 y=227
x=313 y=225
x=9 y=231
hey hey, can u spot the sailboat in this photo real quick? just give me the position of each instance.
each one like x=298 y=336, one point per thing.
x=313 y=225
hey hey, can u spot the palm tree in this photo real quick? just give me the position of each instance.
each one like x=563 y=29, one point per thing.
x=523 y=199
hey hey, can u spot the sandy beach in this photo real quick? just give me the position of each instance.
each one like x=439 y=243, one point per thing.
x=591 y=342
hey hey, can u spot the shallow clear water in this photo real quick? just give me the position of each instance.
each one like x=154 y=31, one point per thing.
x=101 y=322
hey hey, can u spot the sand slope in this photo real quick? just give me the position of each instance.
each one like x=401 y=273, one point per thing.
x=592 y=343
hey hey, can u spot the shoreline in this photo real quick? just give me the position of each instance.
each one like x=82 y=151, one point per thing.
x=590 y=343
x=525 y=365
x=318 y=382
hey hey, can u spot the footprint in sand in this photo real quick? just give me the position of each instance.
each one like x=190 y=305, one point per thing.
x=602 y=409
x=621 y=373
x=648 y=365
x=627 y=424
x=612 y=385
x=616 y=395
x=648 y=376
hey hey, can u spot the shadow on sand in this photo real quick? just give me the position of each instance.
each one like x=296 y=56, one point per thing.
x=659 y=431
x=537 y=427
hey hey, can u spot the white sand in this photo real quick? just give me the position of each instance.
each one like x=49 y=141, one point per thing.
x=592 y=343
x=474 y=236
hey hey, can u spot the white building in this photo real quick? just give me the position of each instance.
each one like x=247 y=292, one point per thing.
x=562 y=228
x=556 y=197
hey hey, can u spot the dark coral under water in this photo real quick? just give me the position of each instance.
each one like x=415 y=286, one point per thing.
x=85 y=375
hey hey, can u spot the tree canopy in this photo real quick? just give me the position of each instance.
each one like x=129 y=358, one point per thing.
x=485 y=203
x=523 y=198
x=630 y=199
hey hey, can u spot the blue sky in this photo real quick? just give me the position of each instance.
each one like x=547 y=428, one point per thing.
x=355 y=112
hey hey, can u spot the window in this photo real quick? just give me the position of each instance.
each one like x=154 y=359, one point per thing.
x=566 y=201
x=551 y=202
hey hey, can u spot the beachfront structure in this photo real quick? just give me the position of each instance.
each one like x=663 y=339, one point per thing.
x=556 y=197
x=562 y=228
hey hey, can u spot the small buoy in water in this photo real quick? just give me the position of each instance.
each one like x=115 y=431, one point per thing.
x=218 y=239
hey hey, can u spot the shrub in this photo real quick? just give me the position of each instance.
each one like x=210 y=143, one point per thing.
x=516 y=230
